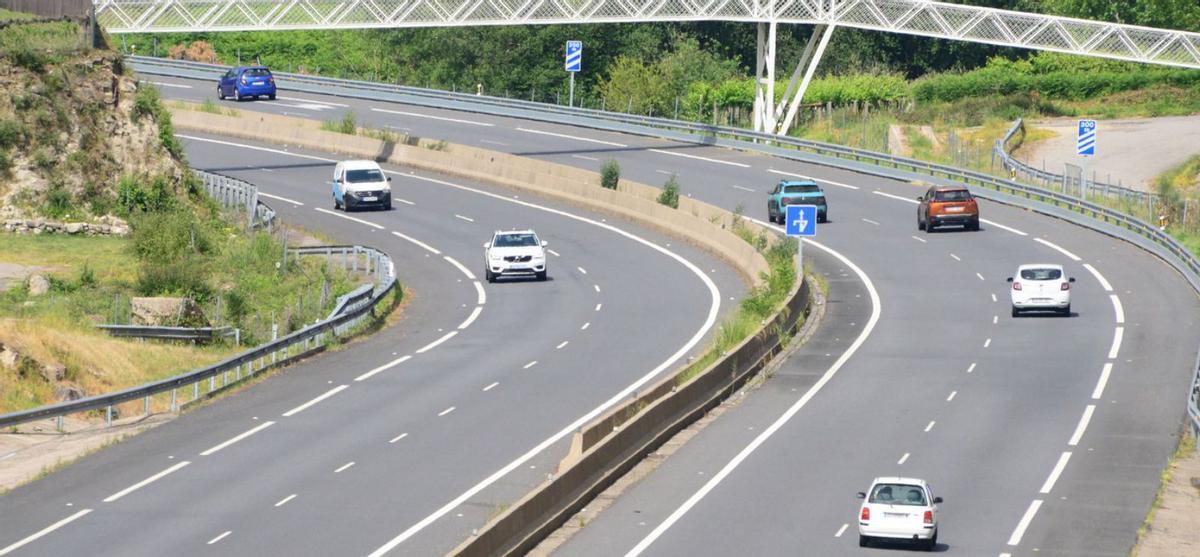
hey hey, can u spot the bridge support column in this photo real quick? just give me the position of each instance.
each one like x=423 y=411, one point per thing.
x=808 y=62
x=764 y=80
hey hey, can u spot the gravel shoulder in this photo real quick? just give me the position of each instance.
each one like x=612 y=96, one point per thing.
x=1175 y=527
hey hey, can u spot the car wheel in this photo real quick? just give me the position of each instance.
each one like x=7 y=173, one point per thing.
x=1016 y=312
x=928 y=226
x=487 y=274
x=974 y=224
x=220 y=93
x=932 y=543
x=822 y=218
x=863 y=541
x=271 y=96
x=1066 y=312
x=237 y=95
x=336 y=204
x=345 y=203
x=541 y=276
x=920 y=223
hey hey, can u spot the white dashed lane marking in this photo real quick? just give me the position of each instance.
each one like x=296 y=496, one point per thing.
x=219 y=538
x=145 y=482
x=324 y=396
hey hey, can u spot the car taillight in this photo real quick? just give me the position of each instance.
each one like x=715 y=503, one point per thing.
x=1016 y=286
x=1065 y=286
x=866 y=514
x=271 y=80
x=928 y=517
x=785 y=201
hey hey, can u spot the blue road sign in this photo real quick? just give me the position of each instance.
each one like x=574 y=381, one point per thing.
x=1085 y=143
x=801 y=220
x=574 y=56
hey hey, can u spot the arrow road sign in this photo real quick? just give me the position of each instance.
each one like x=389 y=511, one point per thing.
x=1085 y=144
x=801 y=220
x=574 y=60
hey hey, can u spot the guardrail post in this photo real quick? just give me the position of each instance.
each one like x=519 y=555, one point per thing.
x=108 y=416
x=58 y=424
x=146 y=406
x=174 y=400
x=356 y=259
x=195 y=390
x=212 y=382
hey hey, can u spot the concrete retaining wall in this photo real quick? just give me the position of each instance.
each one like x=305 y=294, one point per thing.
x=702 y=224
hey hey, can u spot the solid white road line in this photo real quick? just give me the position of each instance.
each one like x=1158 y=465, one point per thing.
x=434 y=344
x=490 y=387
x=1118 y=309
x=956 y=258
x=1118 y=334
x=237 y=438
x=667 y=172
x=490 y=142
x=431 y=117
x=460 y=266
x=404 y=201
x=1058 y=248
x=980 y=275
x=903 y=459
x=280 y=198
x=585 y=326
x=930 y=426
x=1083 y=423
x=743 y=189
x=171 y=85
x=348 y=217
x=952 y=395
x=530 y=364
x=284 y=501
x=471 y=318
x=841 y=530
x=255 y=148
x=312 y=101
x=869 y=221
x=699 y=158
x=585 y=158
x=145 y=482
x=324 y=396
x=574 y=137
x=1099 y=277
x=562 y=344
x=783 y=419
x=482 y=296
x=1096 y=394
x=446 y=411
x=383 y=367
x=1056 y=472
x=1002 y=227
x=25 y=541
x=219 y=538
x=803 y=177
x=398 y=437
x=1019 y=532
x=468 y=219
x=344 y=466
x=582 y=270
x=417 y=242
x=971 y=368
x=897 y=197
x=920 y=239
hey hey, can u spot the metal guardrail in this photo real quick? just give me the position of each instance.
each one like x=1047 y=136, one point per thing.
x=1066 y=184
x=170 y=333
x=232 y=192
x=1040 y=199
x=350 y=310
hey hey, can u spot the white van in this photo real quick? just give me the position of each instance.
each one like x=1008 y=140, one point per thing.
x=361 y=183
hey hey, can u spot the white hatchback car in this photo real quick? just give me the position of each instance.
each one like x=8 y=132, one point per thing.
x=514 y=253
x=1040 y=286
x=899 y=509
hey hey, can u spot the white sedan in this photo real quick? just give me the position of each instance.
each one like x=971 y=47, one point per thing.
x=514 y=253
x=899 y=509
x=1040 y=287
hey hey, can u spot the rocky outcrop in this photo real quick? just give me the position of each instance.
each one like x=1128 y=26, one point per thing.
x=167 y=312
x=38 y=285
x=104 y=226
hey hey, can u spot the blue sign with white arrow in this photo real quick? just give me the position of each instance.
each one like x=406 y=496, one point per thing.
x=801 y=220
x=574 y=60
x=1085 y=143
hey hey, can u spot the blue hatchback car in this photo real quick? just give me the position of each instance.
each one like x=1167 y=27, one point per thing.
x=246 y=82
x=796 y=192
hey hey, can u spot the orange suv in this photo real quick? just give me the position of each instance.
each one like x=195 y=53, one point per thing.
x=943 y=205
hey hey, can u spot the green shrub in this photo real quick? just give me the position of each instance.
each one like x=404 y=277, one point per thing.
x=6 y=163
x=134 y=197
x=146 y=102
x=11 y=133
x=58 y=201
x=670 y=193
x=610 y=174
x=170 y=236
x=185 y=277
x=87 y=277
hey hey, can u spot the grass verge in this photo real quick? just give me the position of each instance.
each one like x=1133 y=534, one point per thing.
x=1187 y=445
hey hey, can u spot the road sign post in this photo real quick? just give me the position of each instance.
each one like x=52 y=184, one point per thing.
x=573 y=63
x=801 y=222
x=1085 y=146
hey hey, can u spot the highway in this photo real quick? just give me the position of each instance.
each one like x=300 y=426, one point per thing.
x=918 y=370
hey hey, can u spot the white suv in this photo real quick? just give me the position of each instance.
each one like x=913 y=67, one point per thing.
x=514 y=253
x=899 y=509
x=361 y=184
x=1041 y=287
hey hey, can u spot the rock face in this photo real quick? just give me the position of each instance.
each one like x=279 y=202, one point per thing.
x=38 y=285
x=9 y=357
x=166 y=312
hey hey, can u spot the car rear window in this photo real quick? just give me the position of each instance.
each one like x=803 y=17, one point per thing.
x=364 y=175
x=802 y=188
x=952 y=195
x=258 y=72
x=515 y=240
x=1041 y=274
x=898 y=494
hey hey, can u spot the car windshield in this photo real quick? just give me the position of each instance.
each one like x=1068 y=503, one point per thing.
x=898 y=494
x=802 y=188
x=952 y=195
x=515 y=240
x=364 y=175
x=258 y=72
x=1041 y=274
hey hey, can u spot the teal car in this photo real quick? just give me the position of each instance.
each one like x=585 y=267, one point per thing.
x=796 y=192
